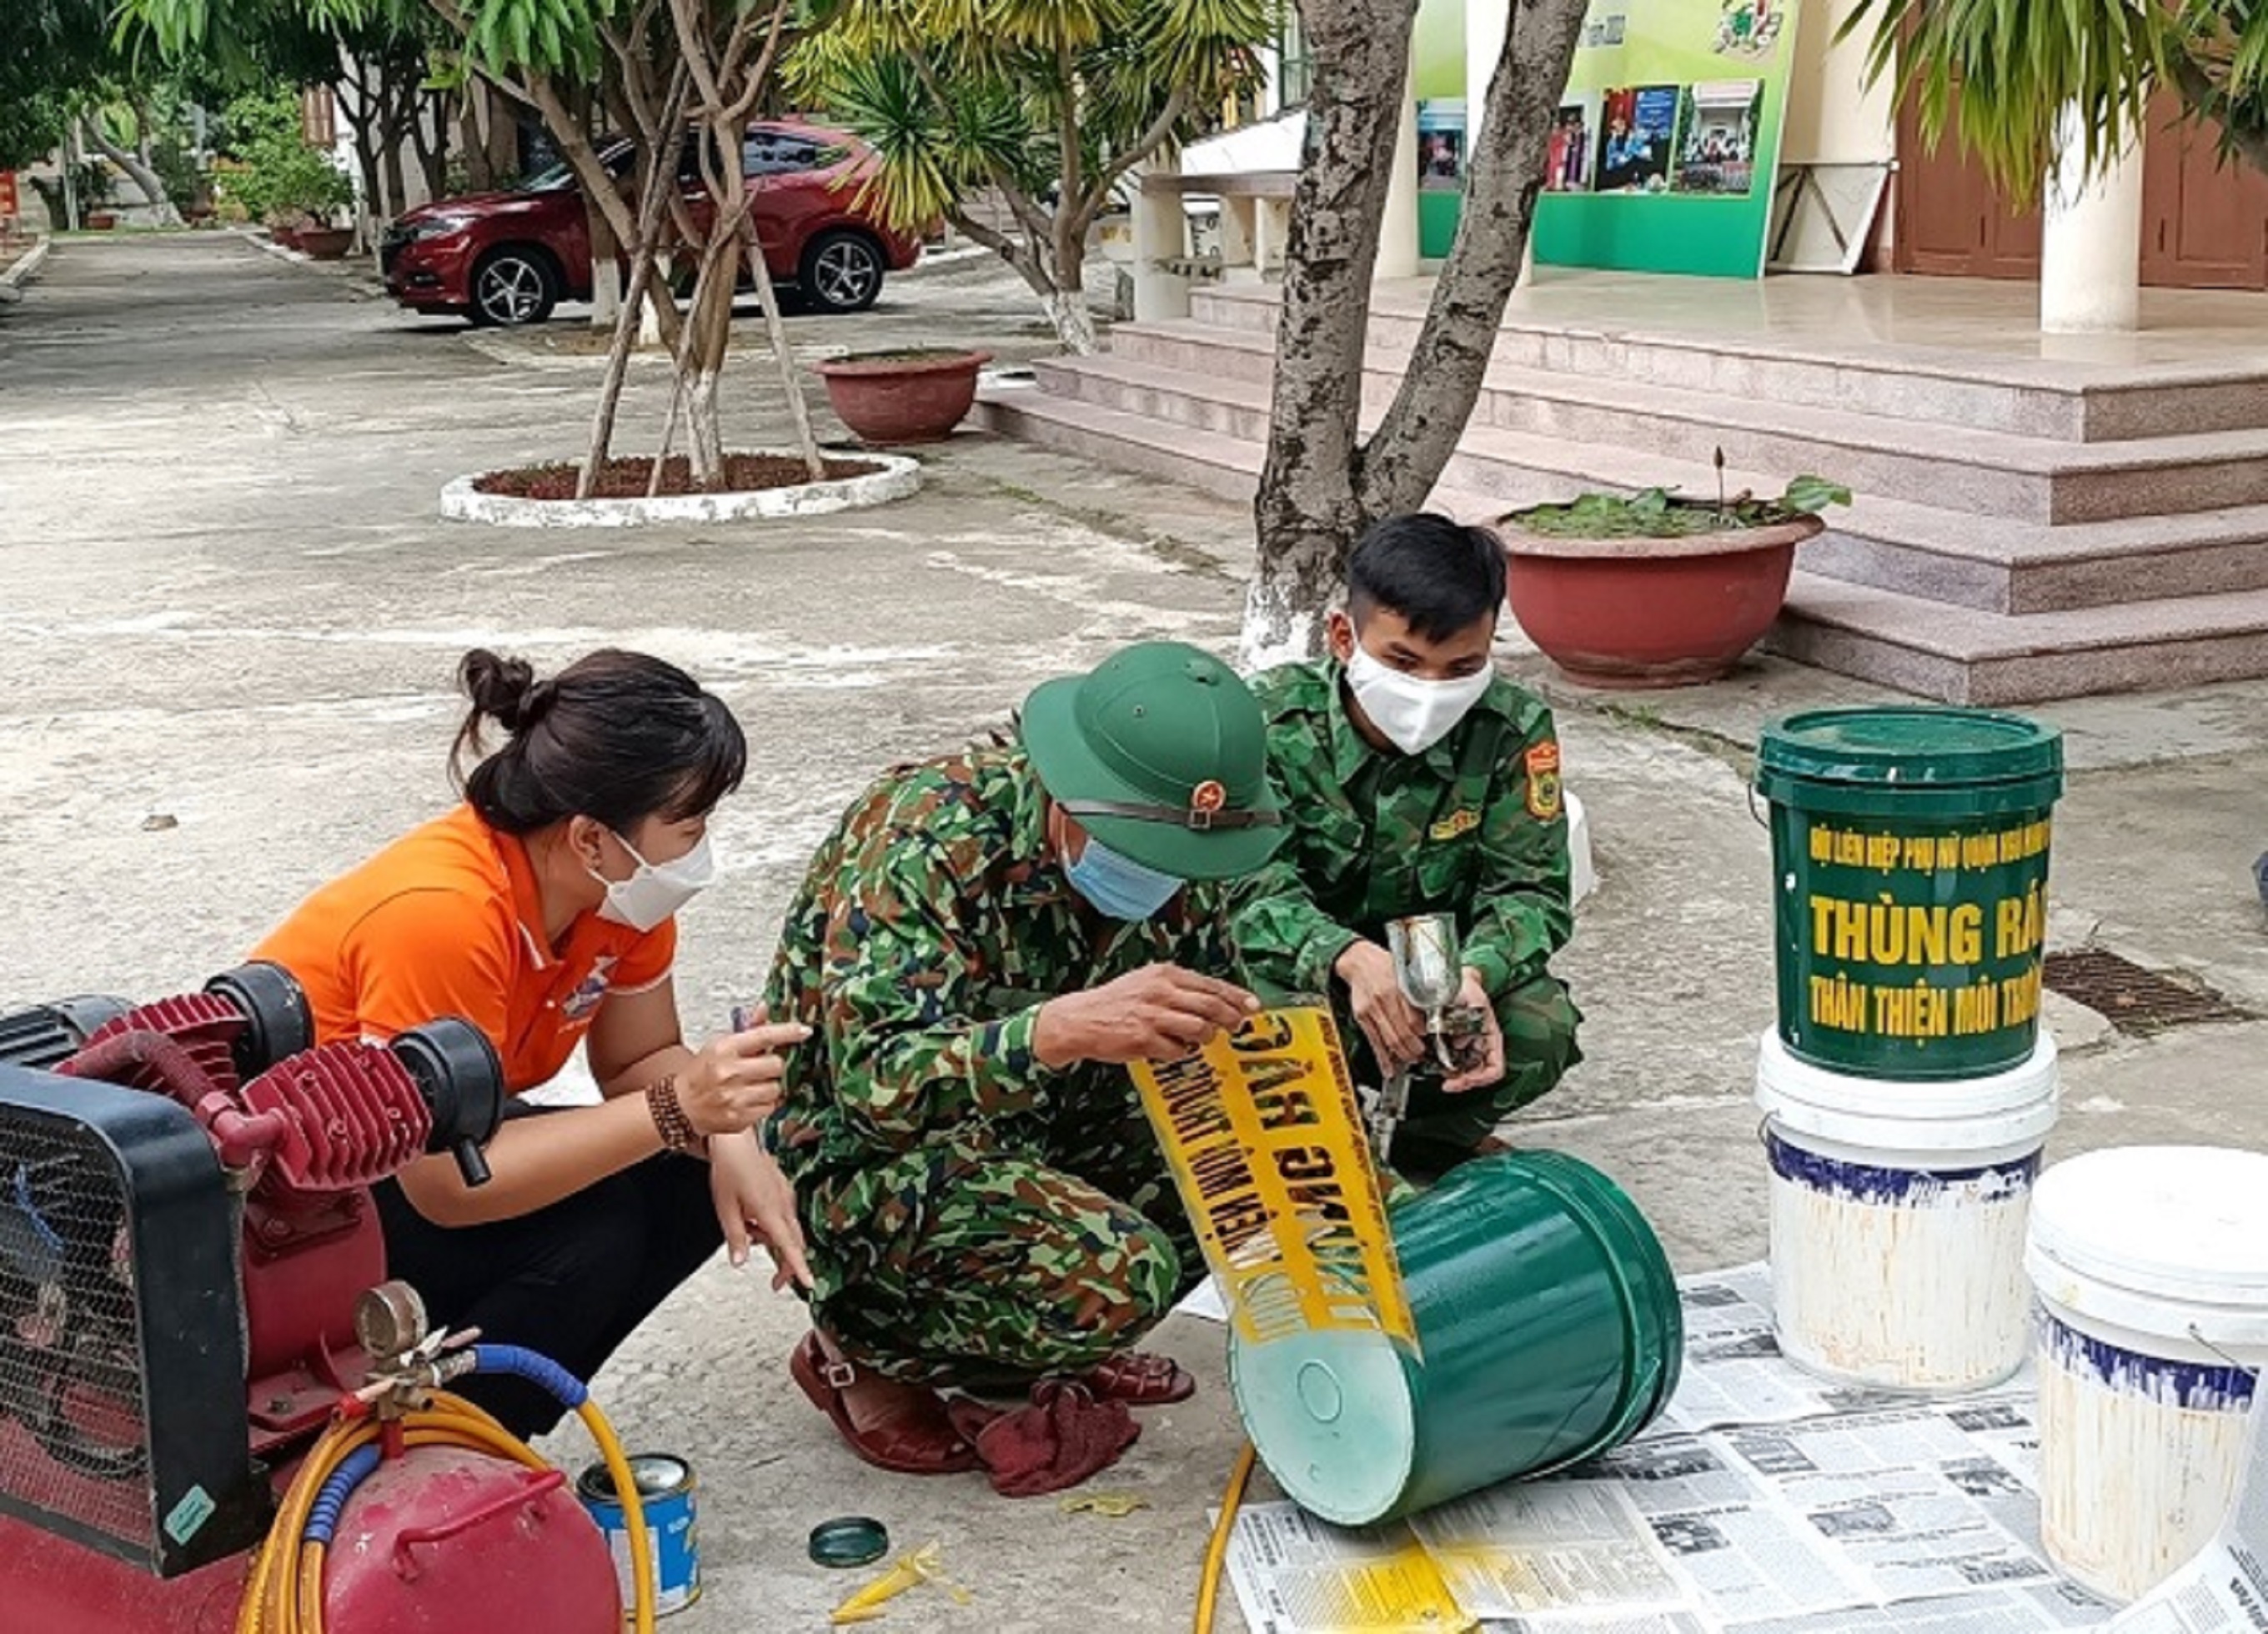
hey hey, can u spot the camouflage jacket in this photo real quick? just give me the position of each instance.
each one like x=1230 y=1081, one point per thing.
x=931 y=925
x=1472 y=826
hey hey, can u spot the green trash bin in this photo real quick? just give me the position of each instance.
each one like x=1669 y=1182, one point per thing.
x=1909 y=862
x=1547 y=1320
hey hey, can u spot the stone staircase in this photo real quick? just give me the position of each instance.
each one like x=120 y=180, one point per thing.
x=2023 y=530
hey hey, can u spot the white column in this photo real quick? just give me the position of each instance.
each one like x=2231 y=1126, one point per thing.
x=2091 y=240
x=1397 y=233
x=1161 y=236
x=1486 y=23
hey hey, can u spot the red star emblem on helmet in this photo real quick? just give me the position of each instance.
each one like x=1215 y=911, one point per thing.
x=1208 y=797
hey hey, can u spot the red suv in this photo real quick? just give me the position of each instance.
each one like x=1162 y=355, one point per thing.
x=508 y=258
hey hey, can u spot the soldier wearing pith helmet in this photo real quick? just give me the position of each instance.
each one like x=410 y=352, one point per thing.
x=980 y=948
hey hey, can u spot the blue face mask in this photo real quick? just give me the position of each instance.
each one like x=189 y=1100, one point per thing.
x=1119 y=887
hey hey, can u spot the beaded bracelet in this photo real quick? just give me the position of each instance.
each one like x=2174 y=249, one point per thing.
x=669 y=1120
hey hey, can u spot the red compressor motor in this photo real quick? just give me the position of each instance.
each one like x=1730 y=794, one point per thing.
x=184 y=1228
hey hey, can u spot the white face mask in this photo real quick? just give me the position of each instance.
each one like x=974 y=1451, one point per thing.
x=1414 y=714
x=656 y=890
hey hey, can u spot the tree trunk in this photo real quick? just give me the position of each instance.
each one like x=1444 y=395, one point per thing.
x=1068 y=311
x=1319 y=488
x=146 y=181
x=472 y=136
x=1306 y=512
x=1429 y=410
x=798 y=406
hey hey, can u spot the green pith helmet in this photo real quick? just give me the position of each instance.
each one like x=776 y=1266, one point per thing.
x=1162 y=754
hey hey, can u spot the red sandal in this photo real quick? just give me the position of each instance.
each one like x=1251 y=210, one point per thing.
x=1141 y=1379
x=924 y=1443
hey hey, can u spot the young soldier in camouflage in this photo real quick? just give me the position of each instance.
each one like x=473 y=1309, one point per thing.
x=979 y=949
x=1418 y=781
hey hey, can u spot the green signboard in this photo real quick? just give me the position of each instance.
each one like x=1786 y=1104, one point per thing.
x=1437 y=80
x=1667 y=138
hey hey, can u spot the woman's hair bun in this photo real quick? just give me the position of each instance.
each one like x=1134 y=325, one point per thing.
x=501 y=688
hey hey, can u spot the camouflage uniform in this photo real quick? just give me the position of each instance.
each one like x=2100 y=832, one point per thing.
x=972 y=1215
x=1473 y=826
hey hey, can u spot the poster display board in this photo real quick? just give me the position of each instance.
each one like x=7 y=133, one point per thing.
x=1666 y=140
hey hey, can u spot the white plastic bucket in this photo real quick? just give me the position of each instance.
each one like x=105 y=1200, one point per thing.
x=1897 y=1219
x=2151 y=1263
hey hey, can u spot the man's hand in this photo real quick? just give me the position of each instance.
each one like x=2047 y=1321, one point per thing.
x=734 y=1080
x=755 y=1203
x=1474 y=996
x=1160 y=1012
x=1395 y=1027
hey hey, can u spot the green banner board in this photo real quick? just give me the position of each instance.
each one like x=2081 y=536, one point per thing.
x=1437 y=80
x=1667 y=138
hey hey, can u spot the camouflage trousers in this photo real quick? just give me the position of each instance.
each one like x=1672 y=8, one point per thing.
x=1030 y=1245
x=1538 y=1020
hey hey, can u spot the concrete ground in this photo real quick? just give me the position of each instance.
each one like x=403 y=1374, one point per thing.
x=229 y=624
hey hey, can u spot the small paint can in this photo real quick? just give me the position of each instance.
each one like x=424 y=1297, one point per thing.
x=665 y=1493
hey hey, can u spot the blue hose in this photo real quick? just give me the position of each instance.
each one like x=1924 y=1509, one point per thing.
x=331 y=1501
x=539 y=1370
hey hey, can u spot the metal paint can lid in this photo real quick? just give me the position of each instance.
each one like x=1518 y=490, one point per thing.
x=657 y=1475
x=848 y=1541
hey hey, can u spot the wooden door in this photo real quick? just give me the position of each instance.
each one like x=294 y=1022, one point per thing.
x=1951 y=221
x=2204 y=225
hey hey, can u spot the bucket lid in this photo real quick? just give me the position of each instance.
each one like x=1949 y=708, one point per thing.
x=1909 y=744
x=1331 y=1417
x=2180 y=1223
x=1927 y=1115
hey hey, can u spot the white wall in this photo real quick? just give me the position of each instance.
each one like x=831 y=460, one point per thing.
x=1832 y=117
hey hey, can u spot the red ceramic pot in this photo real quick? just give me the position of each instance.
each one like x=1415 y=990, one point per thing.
x=325 y=243
x=888 y=398
x=1633 y=612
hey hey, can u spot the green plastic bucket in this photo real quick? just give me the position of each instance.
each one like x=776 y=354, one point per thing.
x=1550 y=1332
x=1910 y=849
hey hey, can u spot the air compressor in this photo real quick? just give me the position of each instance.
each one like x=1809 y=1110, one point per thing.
x=215 y=1413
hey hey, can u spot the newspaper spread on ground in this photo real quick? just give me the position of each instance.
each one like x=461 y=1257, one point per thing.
x=1764 y=1502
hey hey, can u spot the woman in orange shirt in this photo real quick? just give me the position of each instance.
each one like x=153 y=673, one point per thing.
x=542 y=911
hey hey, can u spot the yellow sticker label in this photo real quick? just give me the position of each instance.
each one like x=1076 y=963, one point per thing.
x=1260 y=1129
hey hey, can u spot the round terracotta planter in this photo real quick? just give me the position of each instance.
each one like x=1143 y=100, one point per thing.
x=288 y=237
x=100 y=221
x=888 y=399
x=325 y=243
x=1632 y=613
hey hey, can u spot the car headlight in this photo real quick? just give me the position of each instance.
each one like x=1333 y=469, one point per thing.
x=435 y=227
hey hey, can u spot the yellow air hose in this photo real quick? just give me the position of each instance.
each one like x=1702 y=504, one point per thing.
x=1216 y=1548
x=285 y=1593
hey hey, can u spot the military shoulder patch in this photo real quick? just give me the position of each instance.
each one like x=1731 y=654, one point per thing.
x=1543 y=761
x=1456 y=823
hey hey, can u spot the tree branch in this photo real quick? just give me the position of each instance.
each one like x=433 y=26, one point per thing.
x=1405 y=456
x=1161 y=129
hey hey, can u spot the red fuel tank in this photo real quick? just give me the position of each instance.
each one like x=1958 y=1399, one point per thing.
x=449 y=1540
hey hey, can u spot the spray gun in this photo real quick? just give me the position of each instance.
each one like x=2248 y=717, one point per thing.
x=1429 y=969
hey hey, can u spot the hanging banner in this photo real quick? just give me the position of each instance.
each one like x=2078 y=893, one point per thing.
x=1667 y=137
x=1260 y=1129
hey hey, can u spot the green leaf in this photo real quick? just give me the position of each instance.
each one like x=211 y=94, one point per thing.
x=1811 y=494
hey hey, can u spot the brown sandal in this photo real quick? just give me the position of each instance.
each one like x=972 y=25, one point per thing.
x=1140 y=1379
x=924 y=1443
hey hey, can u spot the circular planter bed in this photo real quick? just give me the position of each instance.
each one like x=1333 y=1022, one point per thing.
x=1670 y=606
x=765 y=483
x=916 y=396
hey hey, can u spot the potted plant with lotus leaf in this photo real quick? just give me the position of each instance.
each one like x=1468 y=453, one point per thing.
x=1654 y=588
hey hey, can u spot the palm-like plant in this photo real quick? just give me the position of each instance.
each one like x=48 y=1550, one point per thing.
x=1049 y=104
x=2013 y=67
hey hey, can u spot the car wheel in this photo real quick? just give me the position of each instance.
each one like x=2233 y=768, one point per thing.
x=840 y=272
x=512 y=287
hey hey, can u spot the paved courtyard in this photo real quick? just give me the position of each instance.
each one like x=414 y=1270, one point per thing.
x=229 y=616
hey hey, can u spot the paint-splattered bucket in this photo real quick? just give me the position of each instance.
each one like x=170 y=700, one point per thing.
x=1909 y=857
x=666 y=1492
x=2151 y=1263
x=1549 y=1328
x=1897 y=1219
